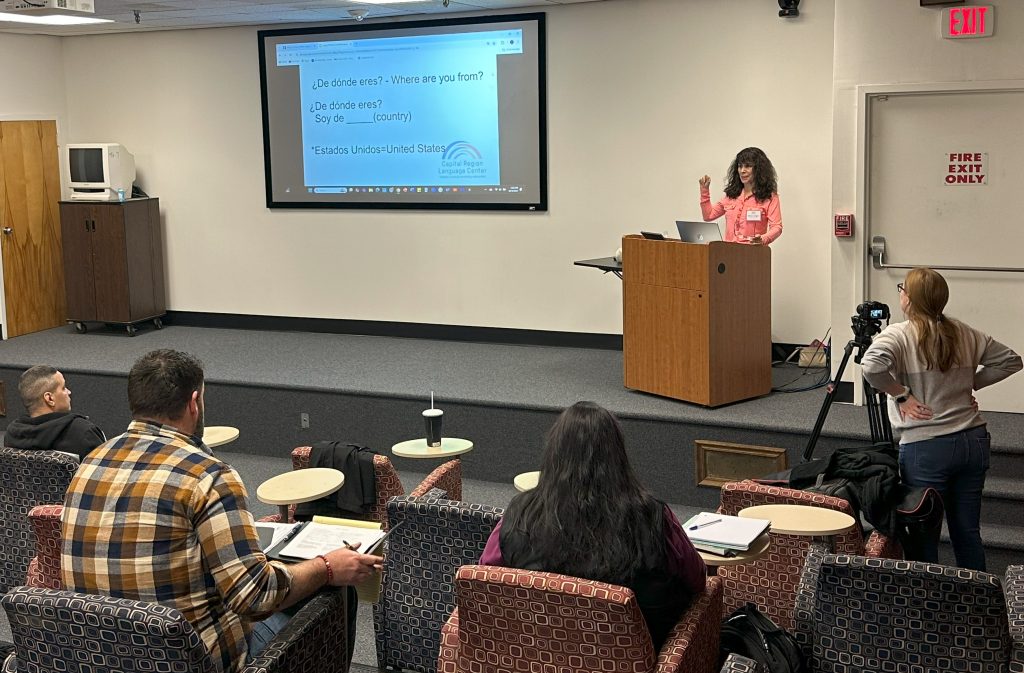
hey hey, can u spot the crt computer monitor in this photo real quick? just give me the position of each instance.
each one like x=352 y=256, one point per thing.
x=96 y=171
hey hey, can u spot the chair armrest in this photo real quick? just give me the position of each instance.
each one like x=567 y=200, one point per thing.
x=1014 y=589
x=10 y=664
x=448 y=657
x=692 y=645
x=882 y=546
x=314 y=641
x=447 y=477
x=739 y=664
x=806 y=596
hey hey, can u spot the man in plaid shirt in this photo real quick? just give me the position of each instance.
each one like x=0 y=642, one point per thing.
x=153 y=516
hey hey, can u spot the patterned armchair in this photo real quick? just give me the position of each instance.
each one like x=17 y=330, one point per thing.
x=435 y=539
x=519 y=621
x=44 y=570
x=1014 y=587
x=27 y=479
x=447 y=477
x=99 y=634
x=855 y=613
x=771 y=581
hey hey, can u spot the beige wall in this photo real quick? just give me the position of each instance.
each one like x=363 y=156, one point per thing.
x=644 y=97
x=904 y=47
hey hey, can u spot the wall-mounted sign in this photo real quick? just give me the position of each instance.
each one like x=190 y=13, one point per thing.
x=960 y=22
x=966 y=168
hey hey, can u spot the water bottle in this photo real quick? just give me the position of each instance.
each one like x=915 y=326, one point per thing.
x=120 y=195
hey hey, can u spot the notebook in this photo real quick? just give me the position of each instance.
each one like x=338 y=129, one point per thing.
x=698 y=232
x=722 y=530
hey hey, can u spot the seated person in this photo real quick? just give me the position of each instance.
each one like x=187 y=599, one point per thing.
x=50 y=423
x=153 y=516
x=590 y=517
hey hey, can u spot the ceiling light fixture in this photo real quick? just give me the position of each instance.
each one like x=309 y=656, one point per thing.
x=56 y=20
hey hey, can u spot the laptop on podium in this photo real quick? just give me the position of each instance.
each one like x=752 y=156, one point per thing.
x=698 y=232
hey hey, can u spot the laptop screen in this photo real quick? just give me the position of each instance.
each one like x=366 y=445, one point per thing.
x=698 y=232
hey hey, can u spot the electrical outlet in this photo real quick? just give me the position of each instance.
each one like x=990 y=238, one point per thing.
x=304 y=420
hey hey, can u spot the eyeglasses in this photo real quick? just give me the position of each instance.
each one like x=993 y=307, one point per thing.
x=900 y=288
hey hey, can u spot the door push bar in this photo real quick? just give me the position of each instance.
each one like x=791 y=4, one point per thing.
x=878 y=260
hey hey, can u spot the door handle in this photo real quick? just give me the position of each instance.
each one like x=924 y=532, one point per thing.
x=8 y=231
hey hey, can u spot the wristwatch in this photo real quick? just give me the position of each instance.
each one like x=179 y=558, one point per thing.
x=904 y=396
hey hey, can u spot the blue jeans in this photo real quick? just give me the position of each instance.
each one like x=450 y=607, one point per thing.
x=264 y=631
x=955 y=466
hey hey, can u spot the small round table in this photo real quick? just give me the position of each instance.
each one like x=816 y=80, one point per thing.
x=801 y=519
x=217 y=435
x=527 y=481
x=758 y=548
x=298 y=486
x=417 y=448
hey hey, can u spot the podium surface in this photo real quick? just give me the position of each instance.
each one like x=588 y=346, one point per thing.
x=696 y=319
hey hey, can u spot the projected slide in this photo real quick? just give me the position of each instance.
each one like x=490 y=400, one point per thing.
x=425 y=114
x=373 y=116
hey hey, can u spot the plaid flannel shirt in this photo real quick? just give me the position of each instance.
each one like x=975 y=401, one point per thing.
x=152 y=516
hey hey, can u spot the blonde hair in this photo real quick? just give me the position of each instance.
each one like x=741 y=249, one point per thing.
x=938 y=337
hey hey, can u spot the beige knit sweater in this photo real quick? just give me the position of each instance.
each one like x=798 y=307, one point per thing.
x=894 y=356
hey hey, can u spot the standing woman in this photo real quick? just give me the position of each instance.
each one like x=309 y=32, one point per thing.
x=590 y=517
x=751 y=203
x=929 y=367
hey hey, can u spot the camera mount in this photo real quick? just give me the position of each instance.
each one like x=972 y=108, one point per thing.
x=865 y=324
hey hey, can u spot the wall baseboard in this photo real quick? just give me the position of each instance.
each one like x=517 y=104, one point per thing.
x=501 y=335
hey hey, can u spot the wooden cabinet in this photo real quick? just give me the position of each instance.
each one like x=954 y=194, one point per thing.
x=113 y=262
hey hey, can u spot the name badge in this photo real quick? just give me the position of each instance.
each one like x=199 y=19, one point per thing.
x=753 y=215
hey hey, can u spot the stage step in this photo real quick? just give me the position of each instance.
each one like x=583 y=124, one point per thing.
x=1004 y=546
x=1007 y=462
x=1002 y=501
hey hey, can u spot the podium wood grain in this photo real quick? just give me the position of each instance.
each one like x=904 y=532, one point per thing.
x=696 y=320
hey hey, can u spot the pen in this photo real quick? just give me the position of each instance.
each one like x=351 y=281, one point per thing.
x=706 y=523
x=347 y=545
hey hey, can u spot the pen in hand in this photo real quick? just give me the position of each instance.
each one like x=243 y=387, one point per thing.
x=706 y=523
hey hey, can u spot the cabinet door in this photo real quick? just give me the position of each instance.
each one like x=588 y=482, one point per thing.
x=76 y=224
x=110 y=263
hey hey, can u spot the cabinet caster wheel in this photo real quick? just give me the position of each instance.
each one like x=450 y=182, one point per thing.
x=81 y=328
x=158 y=323
x=132 y=329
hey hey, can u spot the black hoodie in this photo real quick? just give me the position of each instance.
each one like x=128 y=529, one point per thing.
x=60 y=431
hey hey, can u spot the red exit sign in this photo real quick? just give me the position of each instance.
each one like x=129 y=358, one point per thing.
x=960 y=22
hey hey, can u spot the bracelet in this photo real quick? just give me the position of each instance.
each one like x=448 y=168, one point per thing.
x=327 y=564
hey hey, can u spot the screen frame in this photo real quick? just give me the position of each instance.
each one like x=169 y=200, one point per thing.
x=103 y=149
x=541 y=205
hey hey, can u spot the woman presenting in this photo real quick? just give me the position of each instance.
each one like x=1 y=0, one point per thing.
x=929 y=366
x=751 y=203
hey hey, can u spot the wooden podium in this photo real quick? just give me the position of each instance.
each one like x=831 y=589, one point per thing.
x=696 y=319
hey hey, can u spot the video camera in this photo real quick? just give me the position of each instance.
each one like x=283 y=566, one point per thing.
x=867 y=323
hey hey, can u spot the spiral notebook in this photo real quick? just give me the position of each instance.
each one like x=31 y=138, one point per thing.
x=725 y=531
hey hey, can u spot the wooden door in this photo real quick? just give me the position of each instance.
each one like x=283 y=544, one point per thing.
x=937 y=210
x=29 y=191
x=110 y=261
x=79 y=273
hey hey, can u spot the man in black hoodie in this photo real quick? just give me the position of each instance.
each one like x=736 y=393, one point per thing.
x=50 y=423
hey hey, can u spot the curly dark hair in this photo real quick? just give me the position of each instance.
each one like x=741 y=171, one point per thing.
x=765 y=180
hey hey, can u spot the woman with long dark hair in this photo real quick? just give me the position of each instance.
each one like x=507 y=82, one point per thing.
x=930 y=367
x=751 y=204
x=590 y=517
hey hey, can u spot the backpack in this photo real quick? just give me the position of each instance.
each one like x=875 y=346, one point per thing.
x=748 y=632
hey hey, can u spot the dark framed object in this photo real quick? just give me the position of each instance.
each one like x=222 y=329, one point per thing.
x=717 y=463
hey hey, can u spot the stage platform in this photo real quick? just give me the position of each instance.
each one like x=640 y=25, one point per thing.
x=371 y=390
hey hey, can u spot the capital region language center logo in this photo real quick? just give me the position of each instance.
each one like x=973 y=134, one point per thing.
x=461 y=159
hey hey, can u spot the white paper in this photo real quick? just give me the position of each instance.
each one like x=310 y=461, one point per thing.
x=723 y=530
x=318 y=538
x=278 y=530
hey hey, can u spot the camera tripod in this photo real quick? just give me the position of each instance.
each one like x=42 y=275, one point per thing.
x=878 y=419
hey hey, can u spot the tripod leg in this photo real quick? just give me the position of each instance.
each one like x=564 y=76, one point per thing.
x=829 y=397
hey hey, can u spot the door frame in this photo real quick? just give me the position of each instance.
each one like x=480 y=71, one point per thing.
x=58 y=120
x=867 y=95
